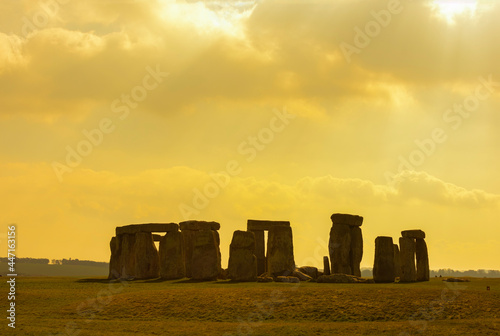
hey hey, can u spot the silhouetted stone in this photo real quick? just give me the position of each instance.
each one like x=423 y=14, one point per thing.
x=340 y=247
x=346 y=219
x=242 y=264
x=172 y=256
x=383 y=267
x=310 y=270
x=115 y=259
x=198 y=225
x=264 y=279
x=157 y=237
x=280 y=260
x=147 y=260
x=413 y=234
x=422 y=260
x=337 y=278
x=188 y=237
x=127 y=256
x=356 y=253
x=301 y=276
x=397 y=262
x=291 y=279
x=407 y=257
x=149 y=227
x=260 y=251
x=205 y=262
x=264 y=225
x=326 y=266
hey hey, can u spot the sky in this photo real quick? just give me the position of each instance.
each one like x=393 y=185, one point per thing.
x=116 y=112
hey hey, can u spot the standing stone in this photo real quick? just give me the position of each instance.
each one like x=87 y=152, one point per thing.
x=127 y=256
x=147 y=259
x=114 y=260
x=260 y=251
x=383 y=267
x=340 y=247
x=172 y=256
x=397 y=262
x=326 y=266
x=242 y=264
x=422 y=260
x=407 y=257
x=188 y=238
x=205 y=261
x=356 y=253
x=280 y=259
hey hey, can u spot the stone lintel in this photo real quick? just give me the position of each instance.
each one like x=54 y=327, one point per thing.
x=149 y=227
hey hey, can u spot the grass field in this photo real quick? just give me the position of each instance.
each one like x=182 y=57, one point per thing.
x=76 y=306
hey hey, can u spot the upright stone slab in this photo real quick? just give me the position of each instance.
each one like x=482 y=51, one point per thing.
x=260 y=251
x=147 y=259
x=326 y=266
x=172 y=256
x=407 y=257
x=188 y=238
x=422 y=260
x=127 y=256
x=356 y=252
x=280 y=259
x=383 y=266
x=114 y=260
x=205 y=261
x=397 y=262
x=340 y=248
x=242 y=264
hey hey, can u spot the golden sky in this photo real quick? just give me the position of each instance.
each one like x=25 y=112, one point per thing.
x=115 y=112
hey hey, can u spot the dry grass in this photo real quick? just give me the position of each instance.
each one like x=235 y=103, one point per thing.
x=69 y=306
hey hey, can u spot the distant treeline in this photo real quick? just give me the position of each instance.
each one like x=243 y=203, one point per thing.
x=57 y=262
x=448 y=272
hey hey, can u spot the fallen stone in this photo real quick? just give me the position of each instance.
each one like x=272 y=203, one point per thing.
x=301 y=276
x=309 y=270
x=337 y=278
x=290 y=279
x=456 y=280
x=264 y=279
x=413 y=234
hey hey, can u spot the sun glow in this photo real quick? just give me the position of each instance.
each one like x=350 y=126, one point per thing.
x=449 y=9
